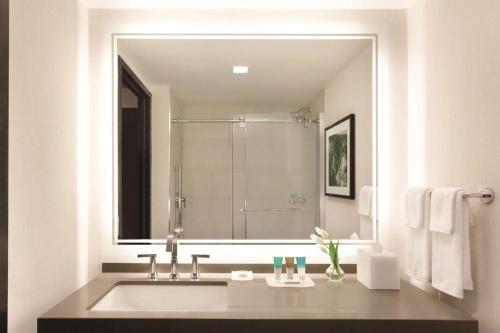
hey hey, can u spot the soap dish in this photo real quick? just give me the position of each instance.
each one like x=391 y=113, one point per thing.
x=241 y=275
x=286 y=283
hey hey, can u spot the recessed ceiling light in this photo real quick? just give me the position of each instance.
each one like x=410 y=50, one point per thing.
x=240 y=69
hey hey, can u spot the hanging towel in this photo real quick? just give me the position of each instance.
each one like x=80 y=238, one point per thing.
x=414 y=212
x=365 y=201
x=365 y=227
x=451 y=267
x=418 y=245
x=443 y=209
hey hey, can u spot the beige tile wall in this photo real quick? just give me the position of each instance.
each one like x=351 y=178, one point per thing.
x=207 y=167
x=176 y=112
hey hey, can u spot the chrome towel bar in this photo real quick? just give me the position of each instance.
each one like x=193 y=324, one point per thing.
x=485 y=194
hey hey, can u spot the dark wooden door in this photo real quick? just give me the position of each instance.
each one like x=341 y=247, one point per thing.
x=134 y=157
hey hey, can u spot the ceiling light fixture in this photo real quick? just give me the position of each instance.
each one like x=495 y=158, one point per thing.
x=240 y=69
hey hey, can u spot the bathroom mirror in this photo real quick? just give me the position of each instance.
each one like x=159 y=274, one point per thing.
x=231 y=138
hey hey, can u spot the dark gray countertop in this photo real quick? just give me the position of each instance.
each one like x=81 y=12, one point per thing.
x=255 y=300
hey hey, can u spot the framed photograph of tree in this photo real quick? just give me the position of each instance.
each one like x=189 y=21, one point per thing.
x=340 y=158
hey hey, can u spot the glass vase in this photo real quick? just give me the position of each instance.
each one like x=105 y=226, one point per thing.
x=334 y=272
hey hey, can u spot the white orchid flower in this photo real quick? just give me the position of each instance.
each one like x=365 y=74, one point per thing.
x=318 y=240
x=324 y=249
x=322 y=233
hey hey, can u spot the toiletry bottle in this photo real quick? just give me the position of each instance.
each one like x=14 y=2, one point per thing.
x=278 y=266
x=301 y=267
x=290 y=266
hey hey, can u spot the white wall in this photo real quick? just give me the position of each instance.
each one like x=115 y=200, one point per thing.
x=351 y=92
x=392 y=148
x=48 y=165
x=453 y=125
x=160 y=160
x=318 y=110
x=391 y=29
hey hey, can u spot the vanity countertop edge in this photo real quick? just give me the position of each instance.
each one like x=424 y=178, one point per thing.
x=255 y=307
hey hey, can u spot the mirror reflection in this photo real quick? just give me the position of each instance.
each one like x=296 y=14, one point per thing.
x=244 y=139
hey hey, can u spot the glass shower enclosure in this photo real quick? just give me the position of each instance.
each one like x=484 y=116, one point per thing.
x=249 y=176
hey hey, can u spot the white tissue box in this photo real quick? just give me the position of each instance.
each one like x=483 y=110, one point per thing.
x=378 y=270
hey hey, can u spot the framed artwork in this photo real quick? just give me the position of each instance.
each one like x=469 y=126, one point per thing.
x=340 y=158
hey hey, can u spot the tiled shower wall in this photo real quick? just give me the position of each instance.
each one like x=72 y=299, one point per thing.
x=207 y=174
x=269 y=160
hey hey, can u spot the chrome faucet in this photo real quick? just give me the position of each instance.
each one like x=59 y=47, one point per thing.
x=172 y=248
x=153 y=275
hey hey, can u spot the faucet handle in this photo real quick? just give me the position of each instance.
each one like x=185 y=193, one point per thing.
x=200 y=256
x=153 y=274
x=152 y=256
x=171 y=242
x=195 y=275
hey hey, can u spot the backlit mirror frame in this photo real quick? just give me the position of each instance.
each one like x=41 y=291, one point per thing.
x=371 y=37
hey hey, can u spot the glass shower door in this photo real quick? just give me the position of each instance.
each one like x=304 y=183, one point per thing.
x=275 y=183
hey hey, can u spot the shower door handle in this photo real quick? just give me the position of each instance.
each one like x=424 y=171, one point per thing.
x=291 y=209
x=180 y=202
x=179 y=199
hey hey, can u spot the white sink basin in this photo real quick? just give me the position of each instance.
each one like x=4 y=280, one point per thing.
x=165 y=296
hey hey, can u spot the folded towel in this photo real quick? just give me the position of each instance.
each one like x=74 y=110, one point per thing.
x=365 y=201
x=443 y=209
x=414 y=207
x=414 y=212
x=451 y=269
x=418 y=244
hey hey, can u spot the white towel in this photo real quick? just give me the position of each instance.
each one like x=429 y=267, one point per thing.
x=365 y=201
x=418 y=245
x=365 y=227
x=414 y=212
x=451 y=271
x=443 y=209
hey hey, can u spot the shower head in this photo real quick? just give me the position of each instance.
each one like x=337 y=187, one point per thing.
x=303 y=115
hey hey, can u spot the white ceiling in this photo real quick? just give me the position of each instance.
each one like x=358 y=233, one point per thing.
x=246 y=4
x=283 y=73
